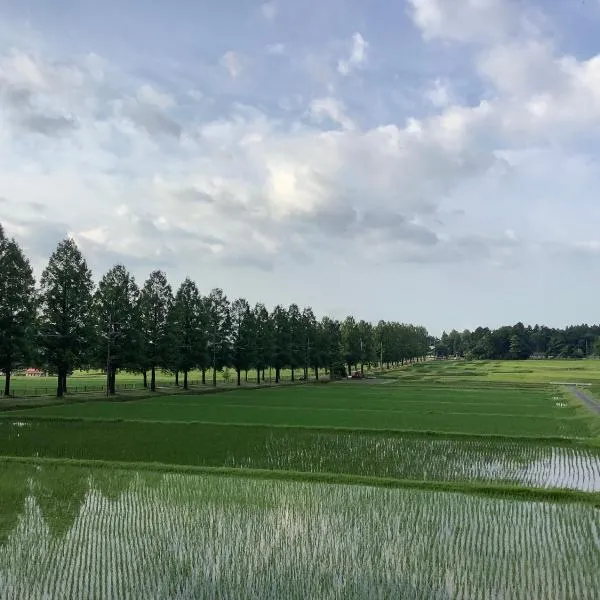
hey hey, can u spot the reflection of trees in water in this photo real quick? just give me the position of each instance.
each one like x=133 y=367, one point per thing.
x=60 y=494
x=14 y=490
x=110 y=482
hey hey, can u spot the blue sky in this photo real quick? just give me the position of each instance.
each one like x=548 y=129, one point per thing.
x=430 y=161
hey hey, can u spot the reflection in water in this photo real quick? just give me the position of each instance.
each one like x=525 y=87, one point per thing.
x=182 y=536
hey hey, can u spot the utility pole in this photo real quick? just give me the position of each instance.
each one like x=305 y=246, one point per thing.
x=214 y=360
x=306 y=359
x=108 y=356
x=362 y=361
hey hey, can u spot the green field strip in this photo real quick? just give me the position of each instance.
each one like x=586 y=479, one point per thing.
x=550 y=439
x=505 y=492
x=429 y=409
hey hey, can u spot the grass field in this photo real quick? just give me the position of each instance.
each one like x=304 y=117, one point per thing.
x=494 y=490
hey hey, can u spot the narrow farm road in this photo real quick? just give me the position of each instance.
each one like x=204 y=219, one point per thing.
x=591 y=402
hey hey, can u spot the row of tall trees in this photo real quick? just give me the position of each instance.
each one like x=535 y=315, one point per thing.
x=520 y=342
x=68 y=323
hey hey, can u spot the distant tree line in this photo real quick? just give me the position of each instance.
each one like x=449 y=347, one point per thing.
x=67 y=323
x=520 y=342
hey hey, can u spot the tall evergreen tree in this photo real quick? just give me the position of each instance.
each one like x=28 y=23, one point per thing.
x=282 y=341
x=66 y=326
x=243 y=337
x=351 y=342
x=333 y=347
x=263 y=339
x=309 y=339
x=187 y=330
x=115 y=311
x=17 y=308
x=218 y=320
x=297 y=339
x=154 y=305
x=367 y=345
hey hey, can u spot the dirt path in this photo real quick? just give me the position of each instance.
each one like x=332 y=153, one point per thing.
x=588 y=399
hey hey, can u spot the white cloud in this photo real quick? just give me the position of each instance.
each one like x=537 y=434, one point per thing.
x=139 y=178
x=269 y=9
x=439 y=94
x=196 y=95
x=149 y=95
x=331 y=108
x=483 y=21
x=233 y=62
x=357 y=58
x=276 y=48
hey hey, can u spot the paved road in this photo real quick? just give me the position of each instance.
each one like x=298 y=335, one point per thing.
x=593 y=404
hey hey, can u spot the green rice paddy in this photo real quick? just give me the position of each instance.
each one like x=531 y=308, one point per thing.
x=493 y=489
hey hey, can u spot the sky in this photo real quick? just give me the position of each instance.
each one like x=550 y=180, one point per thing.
x=426 y=161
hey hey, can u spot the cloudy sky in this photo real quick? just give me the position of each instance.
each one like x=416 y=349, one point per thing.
x=428 y=161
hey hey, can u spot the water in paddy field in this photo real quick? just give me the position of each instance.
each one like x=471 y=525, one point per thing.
x=130 y=535
x=433 y=459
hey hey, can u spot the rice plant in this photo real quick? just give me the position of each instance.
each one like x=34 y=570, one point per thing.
x=182 y=536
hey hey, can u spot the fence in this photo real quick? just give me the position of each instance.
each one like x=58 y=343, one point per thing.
x=50 y=390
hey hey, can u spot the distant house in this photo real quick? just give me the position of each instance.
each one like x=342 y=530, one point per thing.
x=34 y=373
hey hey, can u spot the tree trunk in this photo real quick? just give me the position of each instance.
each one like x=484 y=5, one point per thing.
x=153 y=379
x=293 y=375
x=112 y=379
x=258 y=376
x=277 y=374
x=214 y=376
x=64 y=383
x=246 y=375
x=317 y=373
x=145 y=373
x=60 y=391
x=177 y=378
x=185 y=379
x=263 y=375
x=239 y=377
x=362 y=369
x=7 y=382
x=203 y=376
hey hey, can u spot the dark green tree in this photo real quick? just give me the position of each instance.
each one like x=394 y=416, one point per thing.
x=243 y=338
x=218 y=321
x=309 y=339
x=263 y=339
x=118 y=333
x=297 y=341
x=17 y=308
x=368 y=354
x=65 y=322
x=333 y=351
x=282 y=341
x=186 y=331
x=351 y=342
x=154 y=304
